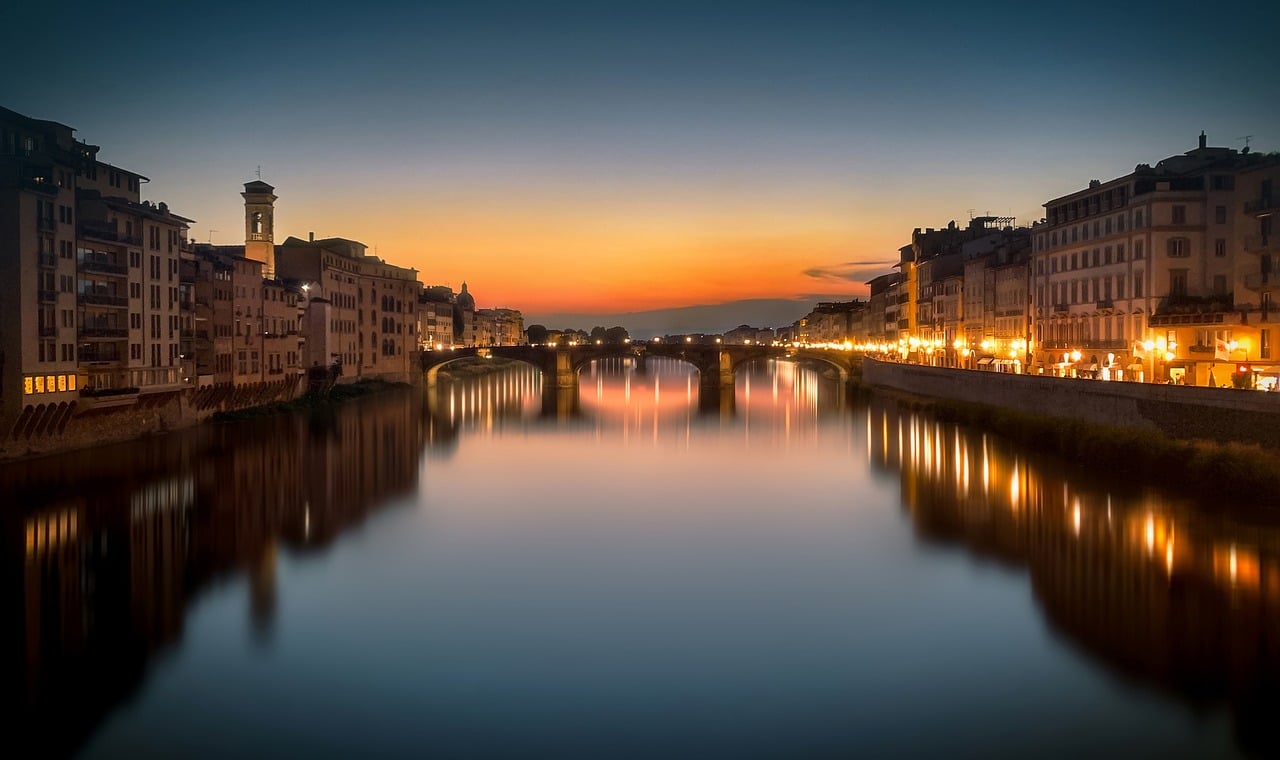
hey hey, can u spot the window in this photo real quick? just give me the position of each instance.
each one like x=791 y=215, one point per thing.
x=1220 y=247
x=1137 y=250
x=1179 y=214
x=1120 y=252
x=1220 y=215
x=1137 y=218
x=1179 y=248
x=1264 y=343
x=1137 y=284
x=1177 y=282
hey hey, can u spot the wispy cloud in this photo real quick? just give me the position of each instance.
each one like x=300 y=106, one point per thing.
x=850 y=271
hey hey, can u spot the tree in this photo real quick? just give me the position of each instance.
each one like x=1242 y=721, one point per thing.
x=616 y=335
x=597 y=333
x=536 y=333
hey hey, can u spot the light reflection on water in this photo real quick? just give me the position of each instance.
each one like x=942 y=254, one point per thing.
x=492 y=569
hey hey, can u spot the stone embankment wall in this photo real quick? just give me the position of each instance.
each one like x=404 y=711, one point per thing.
x=1178 y=411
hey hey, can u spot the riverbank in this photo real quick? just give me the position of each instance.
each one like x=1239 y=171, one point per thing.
x=1206 y=468
x=335 y=395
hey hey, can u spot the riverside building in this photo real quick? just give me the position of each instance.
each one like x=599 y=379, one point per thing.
x=1149 y=276
x=92 y=316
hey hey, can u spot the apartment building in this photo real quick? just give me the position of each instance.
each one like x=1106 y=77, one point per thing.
x=93 y=318
x=1137 y=277
x=365 y=313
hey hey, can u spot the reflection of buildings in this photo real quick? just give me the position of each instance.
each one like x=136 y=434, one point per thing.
x=1160 y=592
x=107 y=550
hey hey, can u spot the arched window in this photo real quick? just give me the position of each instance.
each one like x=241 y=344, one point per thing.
x=256 y=223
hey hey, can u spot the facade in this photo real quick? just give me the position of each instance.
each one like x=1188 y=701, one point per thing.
x=92 y=317
x=1138 y=277
x=371 y=307
x=435 y=318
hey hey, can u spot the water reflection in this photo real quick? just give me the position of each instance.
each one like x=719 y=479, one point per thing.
x=104 y=550
x=1163 y=591
x=104 y=553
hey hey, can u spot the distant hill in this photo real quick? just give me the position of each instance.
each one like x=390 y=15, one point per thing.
x=709 y=318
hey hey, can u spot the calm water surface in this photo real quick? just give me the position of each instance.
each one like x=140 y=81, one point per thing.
x=486 y=570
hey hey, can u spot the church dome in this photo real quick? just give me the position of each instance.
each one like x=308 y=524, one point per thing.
x=465 y=300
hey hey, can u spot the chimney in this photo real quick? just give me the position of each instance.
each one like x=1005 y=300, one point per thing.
x=311 y=237
x=1202 y=139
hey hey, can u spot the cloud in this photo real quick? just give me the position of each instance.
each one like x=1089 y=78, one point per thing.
x=851 y=271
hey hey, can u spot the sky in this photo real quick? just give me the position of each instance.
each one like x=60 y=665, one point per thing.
x=606 y=158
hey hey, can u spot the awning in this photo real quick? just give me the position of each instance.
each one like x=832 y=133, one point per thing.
x=982 y=362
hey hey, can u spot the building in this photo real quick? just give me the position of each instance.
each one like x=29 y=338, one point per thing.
x=362 y=311
x=92 y=315
x=435 y=318
x=1136 y=278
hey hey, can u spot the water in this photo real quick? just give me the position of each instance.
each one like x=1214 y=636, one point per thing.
x=495 y=571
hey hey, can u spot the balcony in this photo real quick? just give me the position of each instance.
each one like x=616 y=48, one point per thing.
x=1107 y=344
x=1261 y=205
x=48 y=331
x=107 y=233
x=102 y=354
x=1061 y=308
x=46 y=224
x=46 y=296
x=1258 y=243
x=103 y=299
x=102 y=333
x=48 y=261
x=102 y=265
x=1105 y=303
x=40 y=185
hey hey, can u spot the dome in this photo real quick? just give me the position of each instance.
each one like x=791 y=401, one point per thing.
x=466 y=300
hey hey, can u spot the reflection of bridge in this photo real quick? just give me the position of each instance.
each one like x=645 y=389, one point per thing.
x=717 y=366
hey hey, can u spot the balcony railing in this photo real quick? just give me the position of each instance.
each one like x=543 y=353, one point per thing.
x=1256 y=243
x=46 y=296
x=1258 y=205
x=102 y=265
x=103 y=299
x=99 y=333
x=40 y=185
x=1105 y=303
x=46 y=224
x=48 y=260
x=98 y=355
x=108 y=233
x=1061 y=308
x=48 y=331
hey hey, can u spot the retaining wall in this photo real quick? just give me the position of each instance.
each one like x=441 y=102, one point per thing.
x=1220 y=414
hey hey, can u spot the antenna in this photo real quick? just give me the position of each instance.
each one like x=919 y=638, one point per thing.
x=211 y=231
x=1246 y=139
x=971 y=215
x=259 y=171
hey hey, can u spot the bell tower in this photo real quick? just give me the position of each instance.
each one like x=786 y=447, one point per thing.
x=259 y=223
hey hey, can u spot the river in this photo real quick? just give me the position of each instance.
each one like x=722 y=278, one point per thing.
x=484 y=570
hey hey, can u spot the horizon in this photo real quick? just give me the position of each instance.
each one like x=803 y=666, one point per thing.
x=570 y=159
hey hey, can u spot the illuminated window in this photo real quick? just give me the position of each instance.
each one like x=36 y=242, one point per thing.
x=50 y=383
x=62 y=383
x=40 y=384
x=28 y=386
x=71 y=382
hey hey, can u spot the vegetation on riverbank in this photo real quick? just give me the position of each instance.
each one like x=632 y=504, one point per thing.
x=335 y=395
x=1206 y=468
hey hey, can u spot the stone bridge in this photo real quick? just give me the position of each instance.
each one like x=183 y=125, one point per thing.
x=716 y=364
